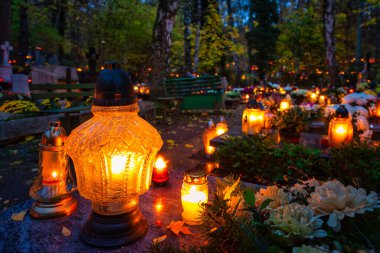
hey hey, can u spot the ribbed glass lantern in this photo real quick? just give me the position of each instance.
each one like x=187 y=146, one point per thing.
x=114 y=153
x=340 y=128
x=253 y=118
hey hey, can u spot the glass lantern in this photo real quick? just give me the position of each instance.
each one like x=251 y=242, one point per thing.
x=222 y=126
x=284 y=104
x=253 y=118
x=377 y=109
x=340 y=128
x=194 y=193
x=208 y=134
x=54 y=183
x=113 y=154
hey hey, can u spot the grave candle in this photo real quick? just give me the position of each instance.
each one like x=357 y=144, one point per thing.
x=340 y=128
x=194 y=193
x=160 y=171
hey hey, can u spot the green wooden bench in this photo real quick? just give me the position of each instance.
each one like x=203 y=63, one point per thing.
x=204 y=92
x=69 y=91
x=73 y=116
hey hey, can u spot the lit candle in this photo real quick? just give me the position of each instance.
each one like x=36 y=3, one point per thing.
x=209 y=134
x=160 y=171
x=194 y=193
x=284 y=105
x=253 y=118
x=222 y=126
x=313 y=97
x=191 y=204
x=322 y=100
x=340 y=129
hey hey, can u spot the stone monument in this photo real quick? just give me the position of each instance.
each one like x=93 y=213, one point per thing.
x=5 y=67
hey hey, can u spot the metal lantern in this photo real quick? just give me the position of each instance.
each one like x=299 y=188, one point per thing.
x=340 y=128
x=160 y=171
x=208 y=134
x=54 y=183
x=194 y=193
x=253 y=118
x=222 y=126
x=114 y=153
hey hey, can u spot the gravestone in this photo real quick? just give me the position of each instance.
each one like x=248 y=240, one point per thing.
x=20 y=84
x=51 y=74
x=5 y=67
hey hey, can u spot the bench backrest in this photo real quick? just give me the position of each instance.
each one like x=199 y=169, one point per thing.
x=191 y=86
x=42 y=91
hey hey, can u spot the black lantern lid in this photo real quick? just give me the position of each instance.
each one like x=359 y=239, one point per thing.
x=114 y=87
x=195 y=176
x=253 y=104
x=341 y=112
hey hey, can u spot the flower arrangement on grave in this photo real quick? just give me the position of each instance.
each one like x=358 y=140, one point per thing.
x=19 y=106
x=236 y=220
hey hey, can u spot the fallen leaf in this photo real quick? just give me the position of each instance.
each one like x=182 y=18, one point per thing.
x=170 y=142
x=29 y=138
x=19 y=216
x=15 y=163
x=189 y=145
x=186 y=231
x=177 y=226
x=159 y=239
x=65 y=231
x=229 y=189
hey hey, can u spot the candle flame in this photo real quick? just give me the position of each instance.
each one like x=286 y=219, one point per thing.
x=247 y=96
x=210 y=149
x=313 y=95
x=118 y=163
x=160 y=164
x=220 y=131
x=284 y=105
x=340 y=130
x=54 y=174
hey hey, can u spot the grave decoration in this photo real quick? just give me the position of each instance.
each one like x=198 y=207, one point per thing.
x=222 y=126
x=114 y=154
x=160 y=171
x=285 y=104
x=253 y=118
x=340 y=128
x=208 y=134
x=54 y=183
x=194 y=193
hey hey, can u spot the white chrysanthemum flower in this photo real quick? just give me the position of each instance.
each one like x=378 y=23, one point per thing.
x=334 y=199
x=361 y=123
x=296 y=220
x=360 y=110
x=307 y=249
x=278 y=196
x=300 y=189
x=358 y=98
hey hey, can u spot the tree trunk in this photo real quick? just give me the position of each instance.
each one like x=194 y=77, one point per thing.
x=23 y=39
x=359 y=35
x=197 y=35
x=159 y=61
x=235 y=56
x=329 y=25
x=186 y=35
x=5 y=23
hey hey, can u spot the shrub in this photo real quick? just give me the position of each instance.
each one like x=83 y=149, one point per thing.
x=260 y=159
x=358 y=163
